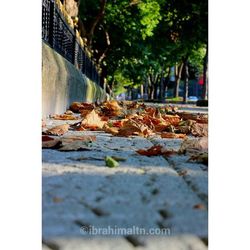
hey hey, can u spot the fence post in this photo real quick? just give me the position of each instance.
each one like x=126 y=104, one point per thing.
x=75 y=49
x=51 y=24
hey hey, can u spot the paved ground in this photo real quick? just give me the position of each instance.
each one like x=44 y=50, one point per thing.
x=144 y=194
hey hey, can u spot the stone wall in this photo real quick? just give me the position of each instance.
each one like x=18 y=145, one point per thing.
x=62 y=84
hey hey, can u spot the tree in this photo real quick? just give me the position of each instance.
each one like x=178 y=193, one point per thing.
x=137 y=42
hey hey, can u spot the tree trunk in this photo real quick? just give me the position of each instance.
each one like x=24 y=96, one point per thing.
x=146 y=89
x=205 y=77
x=178 y=71
x=165 y=82
x=141 y=91
x=185 y=97
x=161 y=95
x=155 y=91
x=151 y=92
x=96 y=21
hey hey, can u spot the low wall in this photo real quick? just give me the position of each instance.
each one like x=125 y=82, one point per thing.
x=63 y=84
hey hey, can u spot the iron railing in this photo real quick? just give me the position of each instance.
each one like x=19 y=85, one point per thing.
x=58 y=34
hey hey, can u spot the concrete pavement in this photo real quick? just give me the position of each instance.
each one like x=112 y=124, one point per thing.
x=87 y=205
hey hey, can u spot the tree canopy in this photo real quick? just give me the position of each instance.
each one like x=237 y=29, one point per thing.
x=138 y=41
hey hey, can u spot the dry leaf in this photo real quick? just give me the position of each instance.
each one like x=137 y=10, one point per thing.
x=92 y=121
x=199 y=206
x=196 y=145
x=132 y=127
x=57 y=130
x=64 y=117
x=172 y=135
x=54 y=143
x=172 y=119
x=111 y=130
x=111 y=108
x=69 y=112
x=200 y=118
x=47 y=138
x=153 y=151
x=86 y=138
x=78 y=107
x=199 y=129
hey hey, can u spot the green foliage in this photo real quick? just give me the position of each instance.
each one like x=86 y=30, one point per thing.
x=146 y=37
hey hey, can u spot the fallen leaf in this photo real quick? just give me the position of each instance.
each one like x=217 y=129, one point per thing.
x=134 y=127
x=117 y=124
x=172 y=119
x=199 y=206
x=57 y=130
x=92 y=121
x=153 y=151
x=78 y=107
x=196 y=145
x=200 y=118
x=85 y=138
x=111 y=108
x=47 y=138
x=69 y=112
x=199 y=129
x=111 y=130
x=53 y=144
x=64 y=117
x=172 y=135
x=110 y=162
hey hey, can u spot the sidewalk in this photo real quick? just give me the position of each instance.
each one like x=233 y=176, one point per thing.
x=81 y=194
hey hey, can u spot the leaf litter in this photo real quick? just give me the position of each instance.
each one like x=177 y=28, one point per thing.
x=127 y=118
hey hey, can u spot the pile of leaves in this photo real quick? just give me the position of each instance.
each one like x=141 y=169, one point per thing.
x=126 y=119
x=132 y=118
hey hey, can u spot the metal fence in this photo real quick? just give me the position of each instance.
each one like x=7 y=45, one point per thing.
x=62 y=38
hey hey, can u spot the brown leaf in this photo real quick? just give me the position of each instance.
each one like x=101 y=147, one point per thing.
x=111 y=108
x=86 y=138
x=47 y=138
x=133 y=127
x=200 y=118
x=57 y=130
x=92 y=121
x=196 y=145
x=199 y=129
x=69 y=112
x=78 y=107
x=111 y=130
x=172 y=135
x=85 y=112
x=54 y=143
x=199 y=206
x=64 y=117
x=172 y=119
x=153 y=151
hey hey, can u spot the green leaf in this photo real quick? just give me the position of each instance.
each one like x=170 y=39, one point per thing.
x=110 y=162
